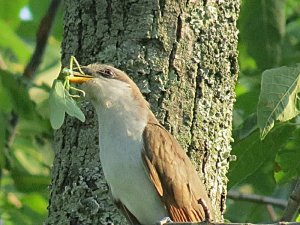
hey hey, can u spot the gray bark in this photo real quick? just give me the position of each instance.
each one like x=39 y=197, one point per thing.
x=183 y=56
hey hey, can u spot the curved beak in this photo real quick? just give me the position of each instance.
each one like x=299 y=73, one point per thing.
x=79 y=78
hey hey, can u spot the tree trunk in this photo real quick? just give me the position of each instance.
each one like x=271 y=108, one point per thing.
x=183 y=56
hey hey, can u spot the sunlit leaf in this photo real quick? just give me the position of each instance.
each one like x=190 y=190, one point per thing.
x=37 y=202
x=30 y=183
x=10 y=10
x=278 y=97
x=28 y=169
x=38 y=9
x=27 y=159
x=10 y=40
x=27 y=210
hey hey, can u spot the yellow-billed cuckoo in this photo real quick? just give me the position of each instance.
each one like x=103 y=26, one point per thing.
x=149 y=174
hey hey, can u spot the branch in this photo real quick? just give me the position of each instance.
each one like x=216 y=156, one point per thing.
x=272 y=213
x=257 y=199
x=293 y=204
x=42 y=37
x=13 y=121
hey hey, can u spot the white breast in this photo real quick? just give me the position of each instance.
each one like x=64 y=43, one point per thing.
x=120 y=138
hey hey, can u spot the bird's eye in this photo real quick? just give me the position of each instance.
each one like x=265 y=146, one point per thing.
x=107 y=73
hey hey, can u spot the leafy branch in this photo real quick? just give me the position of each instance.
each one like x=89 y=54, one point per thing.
x=42 y=37
x=278 y=97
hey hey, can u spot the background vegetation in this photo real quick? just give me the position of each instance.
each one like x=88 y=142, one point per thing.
x=269 y=38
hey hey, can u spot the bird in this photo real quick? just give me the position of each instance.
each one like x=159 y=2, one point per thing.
x=150 y=176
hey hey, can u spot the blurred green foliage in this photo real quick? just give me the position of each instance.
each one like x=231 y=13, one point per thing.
x=269 y=37
x=26 y=152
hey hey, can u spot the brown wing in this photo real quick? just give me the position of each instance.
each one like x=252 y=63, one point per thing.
x=181 y=189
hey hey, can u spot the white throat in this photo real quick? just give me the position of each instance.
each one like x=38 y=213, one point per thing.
x=116 y=107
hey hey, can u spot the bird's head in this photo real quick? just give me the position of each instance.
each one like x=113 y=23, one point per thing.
x=108 y=86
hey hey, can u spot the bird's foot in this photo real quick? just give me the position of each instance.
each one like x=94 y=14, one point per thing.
x=206 y=210
x=164 y=221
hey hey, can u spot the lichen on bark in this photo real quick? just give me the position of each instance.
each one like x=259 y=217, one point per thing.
x=183 y=56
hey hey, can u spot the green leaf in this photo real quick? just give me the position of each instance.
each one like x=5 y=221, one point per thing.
x=10 y=40
x=5 y=98
x=30 y=183
x=38 y=8
x=290 y=45
x=263 y=174
x=288 y=160
x=278 y=97
x=247 y=211
x=247 y=93
x=19 y=95
x=262 y=25
x=28 y=170
x=23 y=209
x=3 y=122
x=252 y=152
x=10 y=10
x=27 y=159
x=60 y=103
x=36 y=202
x=249 y=126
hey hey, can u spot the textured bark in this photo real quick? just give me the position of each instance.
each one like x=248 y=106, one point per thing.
x=183 y=56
